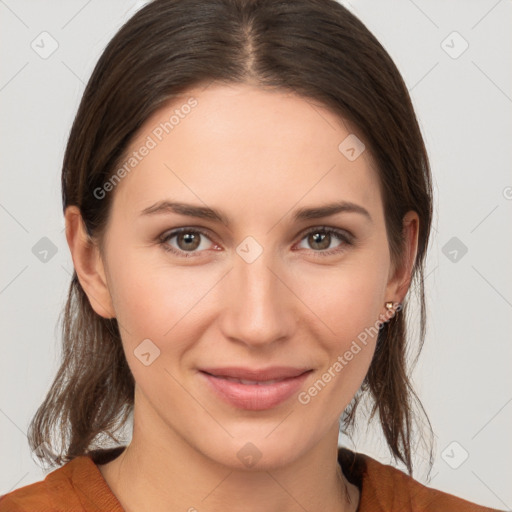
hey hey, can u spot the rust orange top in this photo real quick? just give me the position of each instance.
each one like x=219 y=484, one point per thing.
x=78 y=486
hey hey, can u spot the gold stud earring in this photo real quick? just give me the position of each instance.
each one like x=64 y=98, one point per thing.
x=389 y=305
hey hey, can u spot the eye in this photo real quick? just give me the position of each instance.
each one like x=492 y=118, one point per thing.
x=188 y=242
x=320 y=240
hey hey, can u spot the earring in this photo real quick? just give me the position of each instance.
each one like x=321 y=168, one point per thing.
x=389 y=305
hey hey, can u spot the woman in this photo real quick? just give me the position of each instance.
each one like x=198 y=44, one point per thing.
x=247 y=199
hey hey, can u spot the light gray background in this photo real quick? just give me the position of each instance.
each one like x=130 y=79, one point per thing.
x=464 y=104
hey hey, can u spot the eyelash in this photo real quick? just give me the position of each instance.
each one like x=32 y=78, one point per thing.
x=342 y=236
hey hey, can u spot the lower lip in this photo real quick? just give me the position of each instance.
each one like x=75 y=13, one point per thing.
x=255 y=397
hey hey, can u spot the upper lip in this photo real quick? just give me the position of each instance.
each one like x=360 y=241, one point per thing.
x=272 y=373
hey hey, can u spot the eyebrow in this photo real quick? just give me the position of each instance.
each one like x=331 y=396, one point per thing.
x=204 y=212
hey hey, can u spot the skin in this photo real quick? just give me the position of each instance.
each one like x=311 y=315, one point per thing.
x=256 y=156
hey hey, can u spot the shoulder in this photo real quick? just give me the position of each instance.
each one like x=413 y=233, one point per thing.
x=48 y=495
x=386 y=488
x=78 y=486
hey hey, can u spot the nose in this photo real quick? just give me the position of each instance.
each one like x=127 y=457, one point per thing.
x=258 y=306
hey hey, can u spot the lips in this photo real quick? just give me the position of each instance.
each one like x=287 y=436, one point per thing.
x=252 y=382
x=256 y=375
x=253 y=389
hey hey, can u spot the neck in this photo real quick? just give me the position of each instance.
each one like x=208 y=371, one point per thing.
x=160 y=471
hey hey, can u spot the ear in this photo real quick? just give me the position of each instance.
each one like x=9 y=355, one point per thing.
x=88 y=264
x=400 y=277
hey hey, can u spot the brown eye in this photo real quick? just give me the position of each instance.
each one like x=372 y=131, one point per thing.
x=320 y=241
x=186 y=242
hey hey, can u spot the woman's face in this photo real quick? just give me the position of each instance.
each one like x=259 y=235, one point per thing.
x=267 y=286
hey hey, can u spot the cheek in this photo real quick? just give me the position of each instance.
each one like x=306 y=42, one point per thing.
x=154 y=300
x=163 y=305
x=346 y=299
x=350 y=308
x=347 y=303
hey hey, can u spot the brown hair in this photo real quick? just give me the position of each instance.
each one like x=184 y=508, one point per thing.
x=315 y=48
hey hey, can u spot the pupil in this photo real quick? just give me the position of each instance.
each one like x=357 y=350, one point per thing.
x=191 y=240
x=320 y=239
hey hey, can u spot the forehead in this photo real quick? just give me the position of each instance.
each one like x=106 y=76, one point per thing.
x=227 y=142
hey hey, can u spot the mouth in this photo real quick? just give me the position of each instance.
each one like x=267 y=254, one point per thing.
x=250 y=382
x=252 y=389
x=276 y=373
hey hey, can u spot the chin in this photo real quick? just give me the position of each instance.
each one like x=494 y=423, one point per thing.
x=258 y=452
